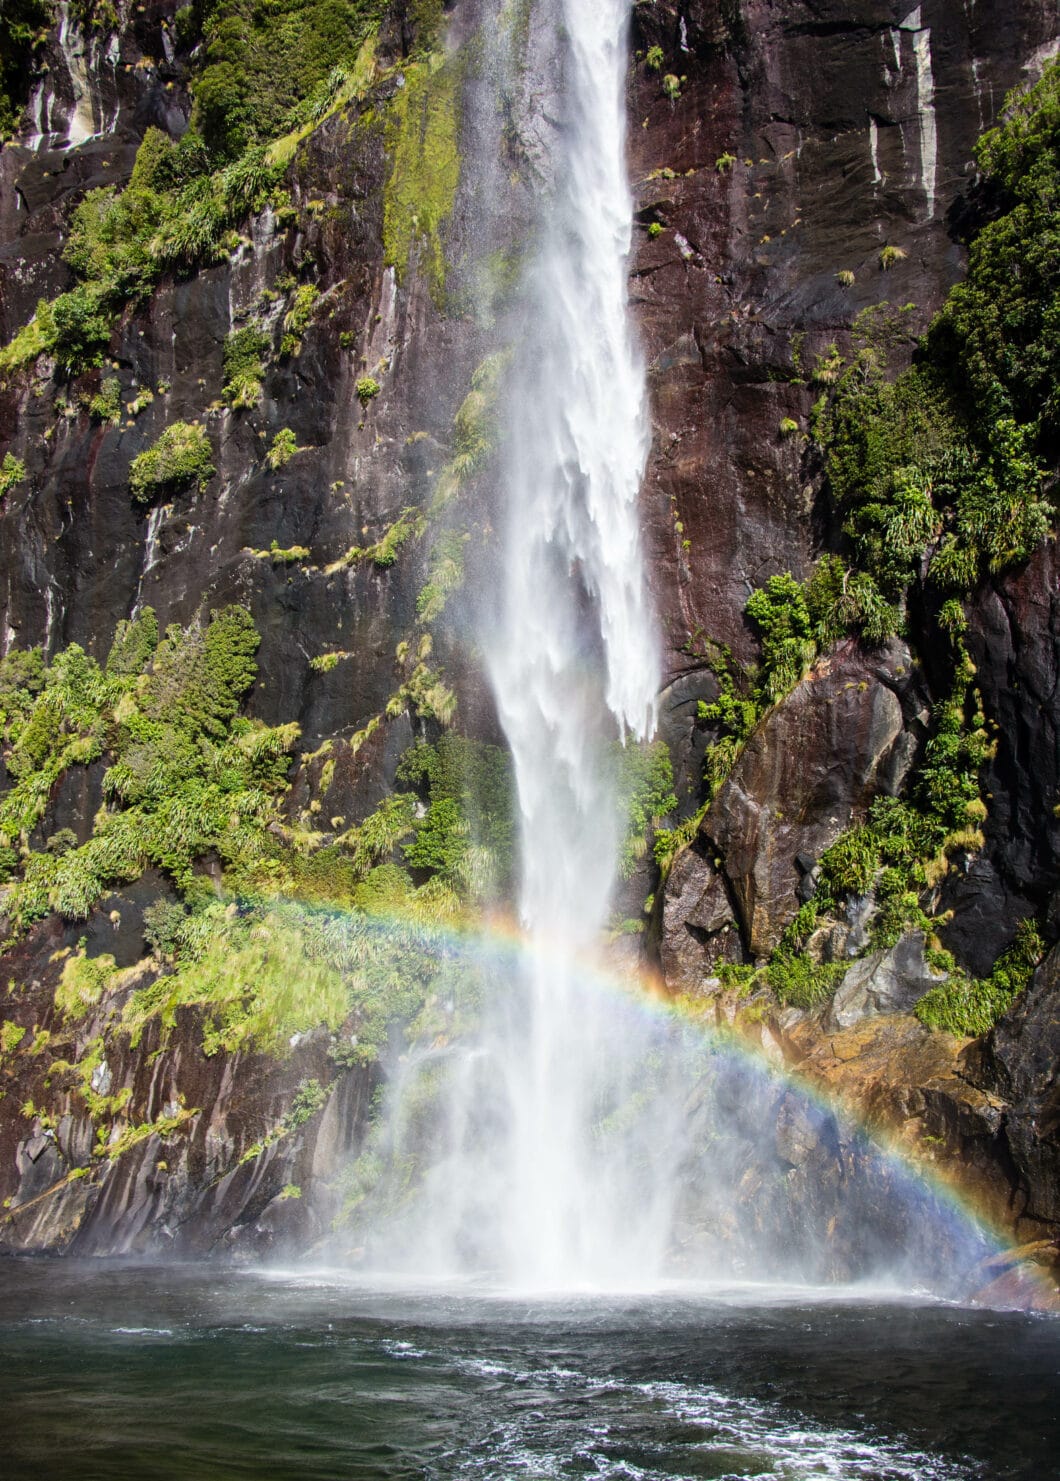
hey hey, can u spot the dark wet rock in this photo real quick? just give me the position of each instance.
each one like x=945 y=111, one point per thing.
x=699 y=928
x=1014 y=641
x=1021 y=1062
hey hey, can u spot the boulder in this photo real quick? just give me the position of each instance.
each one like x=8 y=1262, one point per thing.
x=811 y=767
x=891 y=981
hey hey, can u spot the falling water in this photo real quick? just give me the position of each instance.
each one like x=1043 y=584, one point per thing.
x=574 y=658
x=517 y=1182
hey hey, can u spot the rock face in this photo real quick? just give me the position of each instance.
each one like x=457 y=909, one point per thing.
x=1022 y=1063
x=810 y=768
x=211 y=1160
x=1014 y=641
x=800 y=140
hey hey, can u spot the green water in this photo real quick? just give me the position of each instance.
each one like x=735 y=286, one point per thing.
x=117 y=1371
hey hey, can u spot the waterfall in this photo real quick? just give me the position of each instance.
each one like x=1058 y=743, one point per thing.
x=574 y=657
x=518 y=1182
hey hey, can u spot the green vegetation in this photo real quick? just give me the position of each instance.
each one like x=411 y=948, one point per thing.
x=175 y=214
x=890 y=256
x=186 y=775
x=644 y=789
x=466 y=836
x=23 y=24
x=326 y=663
x=474 y=429
x=423 y=145
x=800 y=982
x=83 y=982
x=938 y=477
x=367 y=389
x=654 y=58
x=998 y=329
x=655 y=230
x=283 y=448
x=724 y=163
x=263 y=61
x=938 y=473
x=384 y=553
x=180 y=459
x=446 y=575
x=244 y=367
x=105 y=405
x=11 y=1036
x=787 y=427
x=297 y=319
x=967 y=1007
x=259 y=73
x=12 y=472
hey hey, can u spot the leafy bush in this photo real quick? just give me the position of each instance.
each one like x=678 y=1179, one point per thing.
x=12 y=472
x=105 y=405
x=962 y=1006
x=367 y=388
x=187 y=776
x=260 y=62
x=644 y=791
x=800 y=982
x=780 y=613
x=181 y=458
x=939 y=473
x=296 y=320
x=175 y=214
x=998 y=328
x=284 y=446
x=467 y=833
x=244 y=354
x=849 y=865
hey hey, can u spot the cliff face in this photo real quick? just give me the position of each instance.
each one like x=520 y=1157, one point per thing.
x=779 y=149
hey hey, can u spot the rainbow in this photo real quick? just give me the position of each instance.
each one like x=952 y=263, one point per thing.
x=498 y=941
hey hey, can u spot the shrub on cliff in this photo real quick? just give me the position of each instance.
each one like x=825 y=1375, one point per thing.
x=22 y=27
x=180 y=459
x=964 y=1006
x=244 y=355
x=186 y=774
x=998 y=329
x=261 y=60
x=939 y=473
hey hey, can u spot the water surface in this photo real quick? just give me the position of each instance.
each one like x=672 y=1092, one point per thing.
x=117 y=1371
